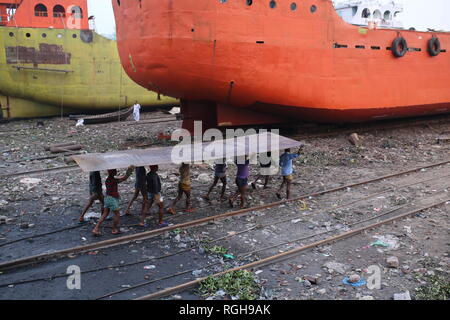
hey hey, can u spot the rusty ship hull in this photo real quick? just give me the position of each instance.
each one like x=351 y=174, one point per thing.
x=49 y=69
x=232 y=63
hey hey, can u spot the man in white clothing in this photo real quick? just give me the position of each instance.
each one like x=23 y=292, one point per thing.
x=136 y=111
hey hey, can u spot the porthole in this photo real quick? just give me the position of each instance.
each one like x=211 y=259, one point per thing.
x=28 y=35
x=44 y=35
x=11 y=34
x=293 y=6
x=249 y=2
x=222 y=1
x=74 y=36
x=272 y=4
x=118 y=3
x=313 y=8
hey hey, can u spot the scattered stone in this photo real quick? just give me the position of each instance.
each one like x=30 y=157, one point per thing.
x=354 y=278
x=30 y=181
x=392 y=262
x=312 y=279
x=367 y=298
x=402 y=296
x=336 y=267
x=204 y=177
x=354 y=139
x=220 y=293
x=405 y=269
x=196 y=273
x=443 y=138
x=322 y=291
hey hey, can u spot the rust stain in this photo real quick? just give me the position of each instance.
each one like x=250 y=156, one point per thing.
x=47 y=54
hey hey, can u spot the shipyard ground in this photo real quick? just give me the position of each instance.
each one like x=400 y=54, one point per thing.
x=420 y=243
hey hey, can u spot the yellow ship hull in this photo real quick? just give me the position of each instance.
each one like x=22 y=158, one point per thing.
x=49 y=72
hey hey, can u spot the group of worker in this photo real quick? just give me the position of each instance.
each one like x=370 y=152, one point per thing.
x=149 y=186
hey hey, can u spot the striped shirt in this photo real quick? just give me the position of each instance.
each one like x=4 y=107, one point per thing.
x=112 y=184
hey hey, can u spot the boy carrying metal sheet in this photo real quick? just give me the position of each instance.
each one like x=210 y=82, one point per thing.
x=184 y=187
x=140 y=187
x=286 y=160
x=220 y=168
x=95 y=189
x=154 y=196
x=112 y=200
x=243 y=171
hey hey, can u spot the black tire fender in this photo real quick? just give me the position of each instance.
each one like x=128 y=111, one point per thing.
x=434 y=47
x=399 y=47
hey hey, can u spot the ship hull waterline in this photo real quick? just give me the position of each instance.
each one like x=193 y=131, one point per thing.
x=297 y=65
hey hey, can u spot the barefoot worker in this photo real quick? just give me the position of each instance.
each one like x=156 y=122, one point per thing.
x=243 y=170
x=112 y=200
x=184 y=187
x=96 y=192
x=154 y=196
x=140 y=187
x=286 y=170
x=264 y=170
x=220 y=168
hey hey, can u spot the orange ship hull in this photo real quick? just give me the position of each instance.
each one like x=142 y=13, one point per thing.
x=233 y=63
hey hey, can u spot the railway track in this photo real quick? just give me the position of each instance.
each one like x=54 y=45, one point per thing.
x=186 y=225
x=285 y=219
x=289 y=254
x=326 y=132
x=149 y=234
x=258 y=263
x=41 y=171
x=175 y=218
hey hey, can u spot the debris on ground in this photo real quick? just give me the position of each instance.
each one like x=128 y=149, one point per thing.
x=354 y=139
x=402 y=296
x=358 y=283
x=336 y=267
x=392 y=262
x=241 y=284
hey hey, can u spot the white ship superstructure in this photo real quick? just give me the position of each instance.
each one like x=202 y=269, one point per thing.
x=372 y=13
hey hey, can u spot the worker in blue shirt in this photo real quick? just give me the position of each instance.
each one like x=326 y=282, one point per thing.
x=286 y=160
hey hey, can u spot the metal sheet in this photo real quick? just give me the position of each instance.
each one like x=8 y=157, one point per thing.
x=196 y=152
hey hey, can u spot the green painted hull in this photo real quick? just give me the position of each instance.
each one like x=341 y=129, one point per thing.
x=67 y=71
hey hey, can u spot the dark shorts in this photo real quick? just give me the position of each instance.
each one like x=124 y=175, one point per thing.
x=220 y=174
x=241 y=182
x=140 y=186
x=96 y=193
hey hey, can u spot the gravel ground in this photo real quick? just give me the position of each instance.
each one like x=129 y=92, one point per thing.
x=419 y=243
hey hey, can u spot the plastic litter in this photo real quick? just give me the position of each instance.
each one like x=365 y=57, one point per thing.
x=149 y=267
x=356 y=284
x=303 y=206
x=30 y=181
x=228 y=256
x=379 y=243
x=80 y=123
